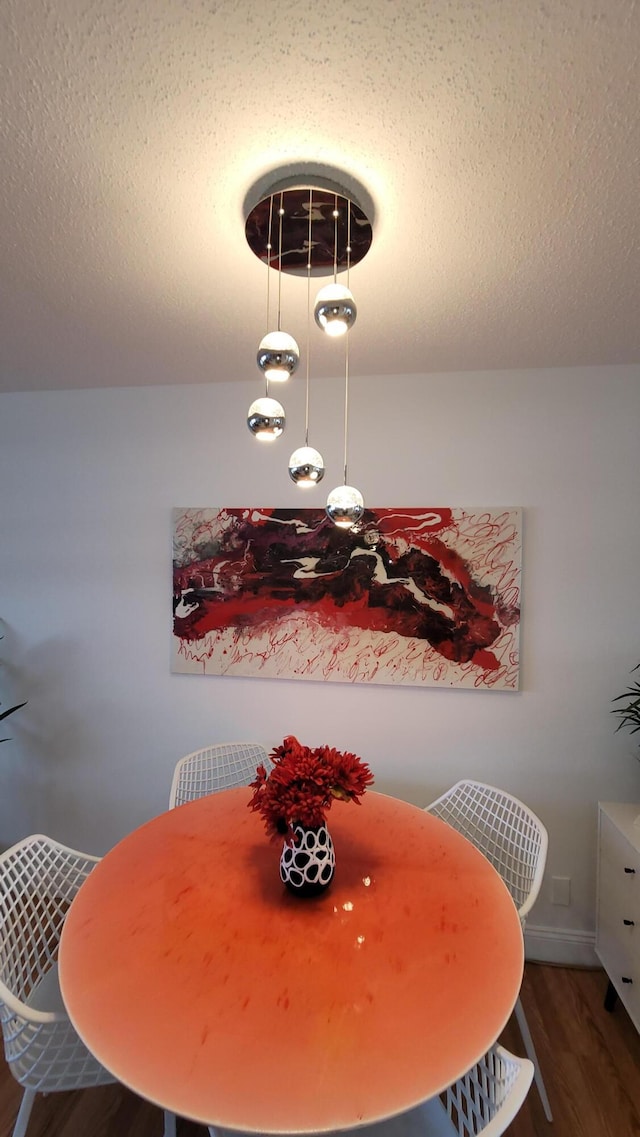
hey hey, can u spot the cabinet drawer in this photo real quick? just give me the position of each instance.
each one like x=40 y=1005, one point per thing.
x=618 y=872
x=617 y=926
x=615 y=849
x=620 y=968
x=618 y=902
x=621 y=949
x=618 y=906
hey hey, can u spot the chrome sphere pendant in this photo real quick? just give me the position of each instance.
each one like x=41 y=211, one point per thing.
x=306 y=467
x=278 y=356
x=345 y=506
x=266 y=419
x=335 y=309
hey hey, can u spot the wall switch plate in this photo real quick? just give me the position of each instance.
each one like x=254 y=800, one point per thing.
x=561 y=890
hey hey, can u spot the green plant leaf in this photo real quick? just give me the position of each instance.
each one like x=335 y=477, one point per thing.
x=629 y=710
x=5 y=714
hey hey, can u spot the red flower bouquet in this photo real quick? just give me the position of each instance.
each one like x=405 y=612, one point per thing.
x=303 y=784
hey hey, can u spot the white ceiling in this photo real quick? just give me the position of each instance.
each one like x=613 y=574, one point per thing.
x=499 y=140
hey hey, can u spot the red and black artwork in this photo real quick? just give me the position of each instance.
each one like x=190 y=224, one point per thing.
x=423 y=597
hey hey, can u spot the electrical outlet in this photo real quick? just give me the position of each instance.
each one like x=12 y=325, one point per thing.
x=561 y=890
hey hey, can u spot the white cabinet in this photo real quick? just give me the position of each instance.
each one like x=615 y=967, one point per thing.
x=618 y=906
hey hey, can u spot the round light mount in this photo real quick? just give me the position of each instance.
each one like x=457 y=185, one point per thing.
x=341 y=222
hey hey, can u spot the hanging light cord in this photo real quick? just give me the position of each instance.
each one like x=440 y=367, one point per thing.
x=280 y=215
x=348 y=240
x=306 y=420
x=266 y=380
x=346 y=351
x=346 y=403
x=335 y=238
x=269 y=261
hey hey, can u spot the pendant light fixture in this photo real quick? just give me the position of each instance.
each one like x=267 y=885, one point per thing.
x=278 y=356
x=335 y=311
x=317 y=197
x=345 y=504
x=306 y=464
x=266 y=418
x=278 y=353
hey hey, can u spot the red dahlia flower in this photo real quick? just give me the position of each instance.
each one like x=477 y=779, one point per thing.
x=303 y=783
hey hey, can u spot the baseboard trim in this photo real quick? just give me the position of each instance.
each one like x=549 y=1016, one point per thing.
x=565 y=946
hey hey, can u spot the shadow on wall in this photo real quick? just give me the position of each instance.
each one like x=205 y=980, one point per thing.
x=417 y=793
x=6 y=710
x=36 y=764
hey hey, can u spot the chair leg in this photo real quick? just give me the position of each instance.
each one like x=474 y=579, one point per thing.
x=22 y=1120
x=169 y=1124
x=531 y=1054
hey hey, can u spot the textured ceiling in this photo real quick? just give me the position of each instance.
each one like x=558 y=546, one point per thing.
x=498 y=139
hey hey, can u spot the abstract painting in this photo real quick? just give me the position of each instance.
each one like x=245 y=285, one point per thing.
x=419 y=597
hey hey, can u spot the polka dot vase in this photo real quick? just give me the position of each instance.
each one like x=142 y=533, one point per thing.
x=307 y=866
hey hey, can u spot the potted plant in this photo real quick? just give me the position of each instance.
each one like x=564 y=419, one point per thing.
x=293 y=800
x=629 y=709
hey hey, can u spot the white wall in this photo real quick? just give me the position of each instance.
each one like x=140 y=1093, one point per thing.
x=88 y=479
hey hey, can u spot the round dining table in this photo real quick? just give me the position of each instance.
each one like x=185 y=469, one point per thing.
x=201 y=983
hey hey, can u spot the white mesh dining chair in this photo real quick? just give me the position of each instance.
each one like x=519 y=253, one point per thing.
x=218 y=767
x=38 y=880
x=515 y=841
x=483 y=1102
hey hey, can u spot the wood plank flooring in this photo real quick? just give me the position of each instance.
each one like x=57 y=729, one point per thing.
x=591 y=1063
x=590 y=1059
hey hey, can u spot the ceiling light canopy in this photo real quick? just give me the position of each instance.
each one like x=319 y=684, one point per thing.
x=341 y=221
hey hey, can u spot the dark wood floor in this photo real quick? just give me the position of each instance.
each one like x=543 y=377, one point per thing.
x=590 y=1058
x=591 y=1061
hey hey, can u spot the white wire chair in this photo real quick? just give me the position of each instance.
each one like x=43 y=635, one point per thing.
x=488 y=1097
x=515 y=841
x=484 y=1101
x=218 y=767
x=38 y=880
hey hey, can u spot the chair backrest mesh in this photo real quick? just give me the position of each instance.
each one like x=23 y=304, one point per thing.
x=38 y=880
x=504 y=829
x=218 y=767
x=476 y=1098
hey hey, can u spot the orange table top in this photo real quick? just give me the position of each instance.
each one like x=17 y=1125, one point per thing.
x=201 y=983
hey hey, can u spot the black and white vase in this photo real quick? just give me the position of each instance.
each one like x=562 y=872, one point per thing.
x=307 y=866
